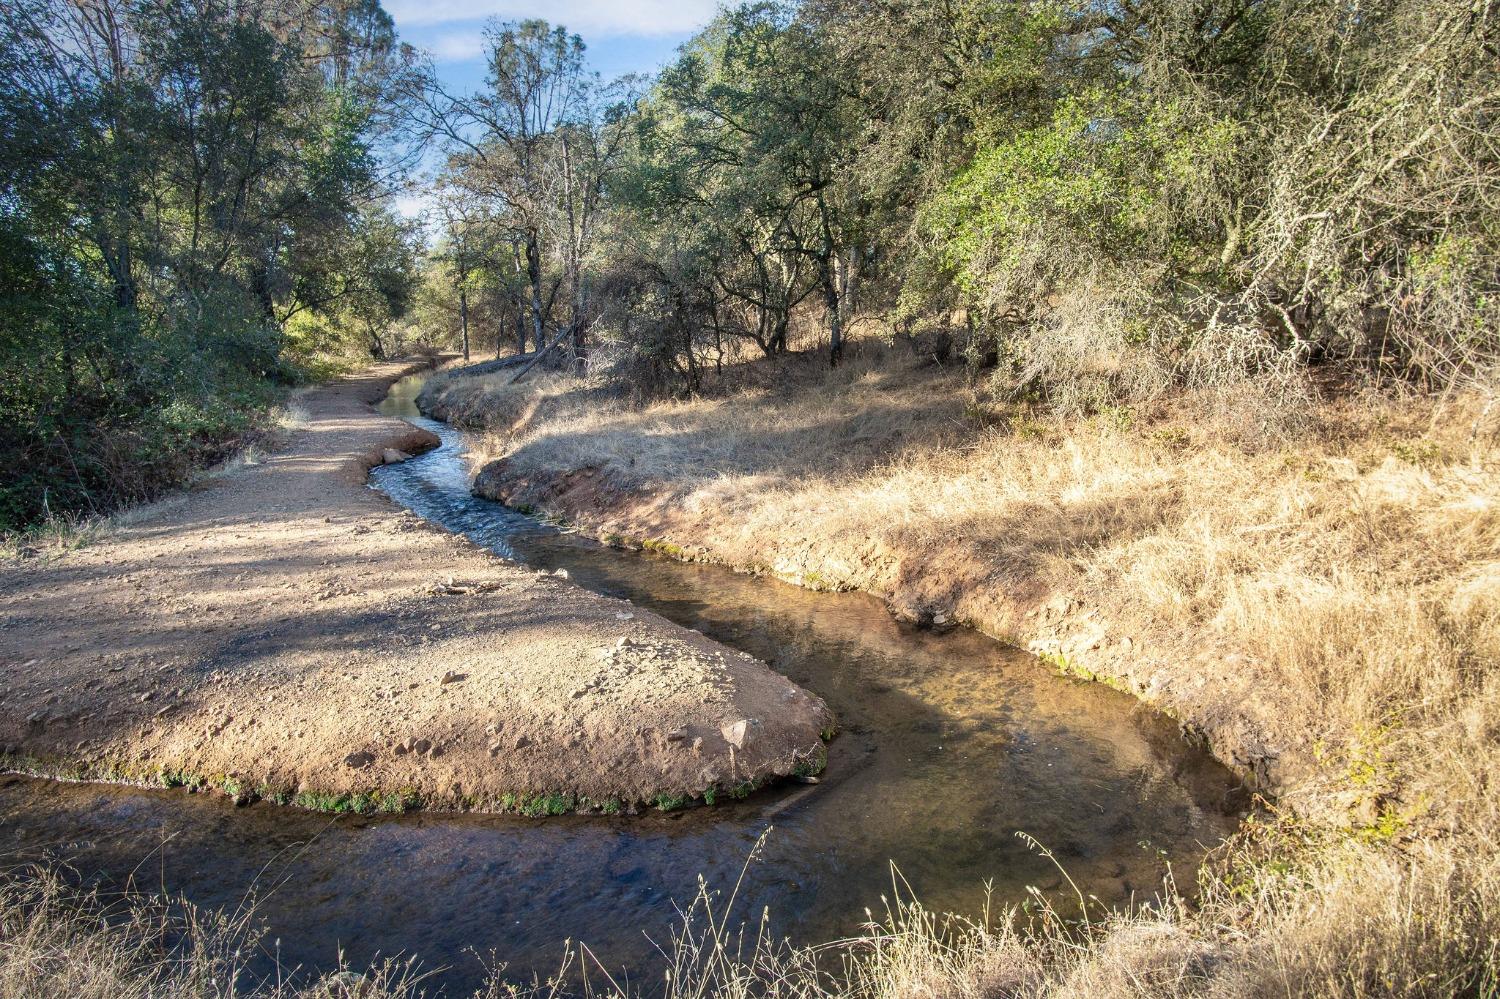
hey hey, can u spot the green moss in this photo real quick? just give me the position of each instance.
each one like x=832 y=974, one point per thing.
x=812 y=765
x=539 y=805
x=664 y=547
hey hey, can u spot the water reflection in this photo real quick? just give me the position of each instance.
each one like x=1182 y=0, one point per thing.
x=951 y=745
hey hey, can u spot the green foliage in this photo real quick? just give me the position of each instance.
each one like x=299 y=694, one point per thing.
x=164 y=218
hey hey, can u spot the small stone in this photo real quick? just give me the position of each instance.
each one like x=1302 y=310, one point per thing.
x=624 y=616
x=495 y=748
x=421 y=747
x=561 y=574
x=451 y=677
x=390 y=456
x=522 y=742
x=734 y=732
x=624 y=643
x=360 y=760
x=146 y=697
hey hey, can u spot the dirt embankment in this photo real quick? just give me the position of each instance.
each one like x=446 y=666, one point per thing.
x=1276 y=601
x=1227 y=702
x=283 y=630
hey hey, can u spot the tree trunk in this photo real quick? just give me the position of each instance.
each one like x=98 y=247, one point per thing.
x=580 y=332
x=534 y=277
x=515 y=255
x=831 y=303
x=463 y=314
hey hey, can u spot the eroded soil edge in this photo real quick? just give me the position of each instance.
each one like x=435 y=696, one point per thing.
x=282 y=630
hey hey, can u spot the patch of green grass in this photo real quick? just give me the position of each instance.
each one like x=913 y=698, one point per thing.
x=671 y=802
x=1422 y=453
x=1172 y=438
x=275 y=795
x=180 y=778
x=358 y=802
x=812 y=765
x=539 y=805
x=743 y=790
x=711 y=796
x=664 y=547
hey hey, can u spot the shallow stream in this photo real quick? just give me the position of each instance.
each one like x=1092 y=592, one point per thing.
x=951 y=745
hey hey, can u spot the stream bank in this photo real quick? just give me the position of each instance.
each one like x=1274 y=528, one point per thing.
x=877 y=483
x=951 y=747
x=282 y=632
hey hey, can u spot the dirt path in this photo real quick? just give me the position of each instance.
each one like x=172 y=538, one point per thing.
x=283 y=630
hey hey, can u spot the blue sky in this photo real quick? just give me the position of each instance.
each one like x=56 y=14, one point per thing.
x=621 y=37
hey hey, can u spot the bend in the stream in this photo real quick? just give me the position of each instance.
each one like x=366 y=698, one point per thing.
x=951 y=745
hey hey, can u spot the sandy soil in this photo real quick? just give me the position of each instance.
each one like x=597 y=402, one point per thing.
x=282 y=629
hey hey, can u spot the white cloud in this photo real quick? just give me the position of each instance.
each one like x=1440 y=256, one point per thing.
x=457 y=46
x=414 y=206
x=586 y=17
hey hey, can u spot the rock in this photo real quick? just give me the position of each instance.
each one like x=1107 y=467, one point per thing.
x=561 y=574
x=422 y=747
x=623 y=616
x=624 y=643
x=345 y=983
x=495 y=748
x=359 y=760
x=146 y=697
x=734 y=732
x=452 y=677
x=390 y=456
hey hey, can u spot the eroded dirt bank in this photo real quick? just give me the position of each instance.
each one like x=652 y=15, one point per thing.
x=1264 y=596
x=283 y=630
x=1223 y=697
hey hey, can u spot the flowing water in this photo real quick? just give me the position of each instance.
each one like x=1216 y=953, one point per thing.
x=950 y=746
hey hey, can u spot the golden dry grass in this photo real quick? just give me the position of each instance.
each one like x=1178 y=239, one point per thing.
x=1330 y=601
x=1335 y=597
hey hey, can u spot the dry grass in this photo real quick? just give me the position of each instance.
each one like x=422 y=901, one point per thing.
x=59 y=941
x=1333 y=601
x=1347 y=919
x=1325 y=607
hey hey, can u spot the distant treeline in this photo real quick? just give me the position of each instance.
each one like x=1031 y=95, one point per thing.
x=1092 y=202
x=1097 y=201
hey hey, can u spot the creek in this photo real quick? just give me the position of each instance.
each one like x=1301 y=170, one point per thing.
x=950 y=746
